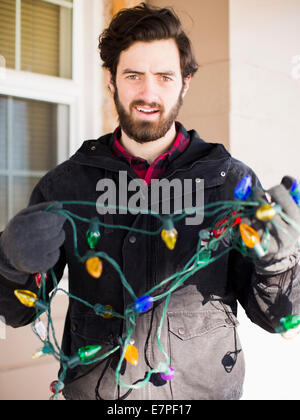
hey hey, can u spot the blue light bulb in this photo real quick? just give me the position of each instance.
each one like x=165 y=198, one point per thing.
x=295 y=191
x=243 y=188
x=143 y=303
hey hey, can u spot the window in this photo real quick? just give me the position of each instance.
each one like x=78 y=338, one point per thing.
x=31 y=134
x=38 y=96
x=51 y=90
x=36 y=36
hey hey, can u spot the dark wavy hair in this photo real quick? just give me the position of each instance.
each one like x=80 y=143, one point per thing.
x=144 y=23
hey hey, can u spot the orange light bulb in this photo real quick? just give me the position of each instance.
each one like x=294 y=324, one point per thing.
x=251 y=239
x=94 y=267
x=131 y=354
x=249 y=235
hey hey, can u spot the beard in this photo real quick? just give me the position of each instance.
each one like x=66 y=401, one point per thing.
x=146 y=131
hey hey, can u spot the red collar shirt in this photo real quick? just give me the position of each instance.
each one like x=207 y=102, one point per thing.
x=158 y=167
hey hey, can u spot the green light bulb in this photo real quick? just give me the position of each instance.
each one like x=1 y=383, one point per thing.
x=84 y=354
x=288 y=323
x=203 y=256
x=93 y=234
x=88 y=352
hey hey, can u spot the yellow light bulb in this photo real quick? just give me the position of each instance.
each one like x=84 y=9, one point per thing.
x=108 y=315
x=26 y=297
x=131 y=354
x=39 y=353
x=265 y=212
x=249 y=235
x=94 y=267
x=169 y=237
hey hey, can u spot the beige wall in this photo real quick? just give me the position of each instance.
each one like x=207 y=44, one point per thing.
x=243 y=94
x=206 y=105
x=24 y=378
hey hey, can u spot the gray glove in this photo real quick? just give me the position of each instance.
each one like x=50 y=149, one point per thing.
x=283 y=250
x=30 y=242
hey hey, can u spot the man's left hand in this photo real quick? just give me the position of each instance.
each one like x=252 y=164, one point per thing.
x=284 y=248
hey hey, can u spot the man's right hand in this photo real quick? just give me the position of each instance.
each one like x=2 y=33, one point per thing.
x=30 y=242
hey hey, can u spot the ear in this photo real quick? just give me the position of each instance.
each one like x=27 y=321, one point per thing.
x=109 y=80
x=186 y=84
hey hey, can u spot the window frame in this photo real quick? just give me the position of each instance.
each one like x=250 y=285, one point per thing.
x=58 y=90
x=83 y=95
x=15 y=83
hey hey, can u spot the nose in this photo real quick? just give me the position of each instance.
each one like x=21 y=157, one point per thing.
x=148 y=90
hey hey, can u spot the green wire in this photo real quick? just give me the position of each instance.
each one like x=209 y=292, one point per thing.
x=223 y=210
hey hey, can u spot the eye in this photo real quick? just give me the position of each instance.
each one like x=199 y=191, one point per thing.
x=166 y=78
x=133 y=77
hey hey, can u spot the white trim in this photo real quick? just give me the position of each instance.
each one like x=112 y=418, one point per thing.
x=74 y=137
x=98 y=82
x=88 y=67
x=38 y=86
x=9 y=159
x=65 y=43
x=24 y=173
x=61 y=3
x=63 y=127
x=77 y=18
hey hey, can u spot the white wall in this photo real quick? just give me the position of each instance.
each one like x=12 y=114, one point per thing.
x=245 y=97
x=265 y=134
x=264 y=97
x=272 y=363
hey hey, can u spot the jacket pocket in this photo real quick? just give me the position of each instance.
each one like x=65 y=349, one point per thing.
x=206 y=355
x=90 y=329
x=186 y=325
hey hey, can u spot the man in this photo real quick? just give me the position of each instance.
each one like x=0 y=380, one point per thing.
x=150 y=64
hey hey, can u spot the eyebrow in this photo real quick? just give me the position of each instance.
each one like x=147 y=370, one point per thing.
x=167 y=73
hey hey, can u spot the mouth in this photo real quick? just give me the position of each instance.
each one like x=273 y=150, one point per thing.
x=146 y=111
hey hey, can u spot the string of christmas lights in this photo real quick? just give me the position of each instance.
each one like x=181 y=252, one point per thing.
x=229 y=223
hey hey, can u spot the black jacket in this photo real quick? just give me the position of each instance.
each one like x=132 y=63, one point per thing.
x=199 y=330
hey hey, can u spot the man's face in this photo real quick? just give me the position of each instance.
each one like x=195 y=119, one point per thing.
x=148 y=90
